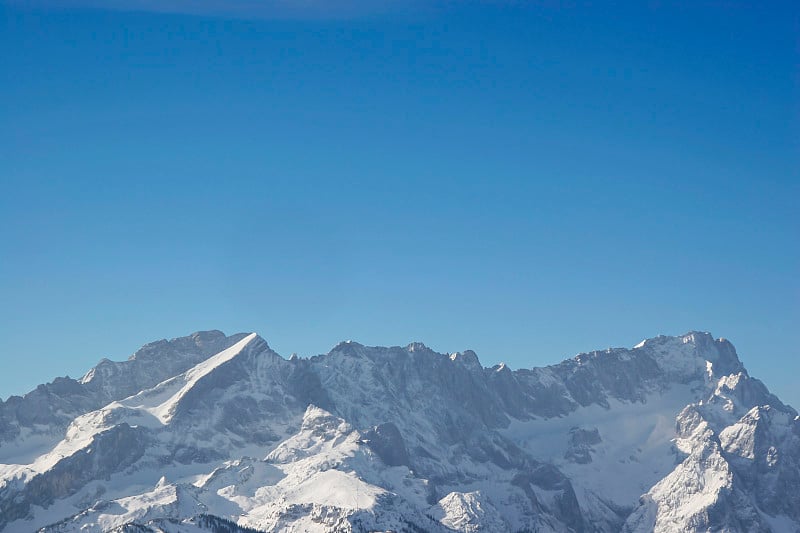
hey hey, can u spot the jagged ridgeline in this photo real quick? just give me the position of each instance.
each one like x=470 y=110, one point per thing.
x=220 y=433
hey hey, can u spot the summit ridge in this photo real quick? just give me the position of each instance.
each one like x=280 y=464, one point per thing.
x=213 y=431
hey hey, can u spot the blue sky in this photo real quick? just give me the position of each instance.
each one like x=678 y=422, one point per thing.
x=529 y=181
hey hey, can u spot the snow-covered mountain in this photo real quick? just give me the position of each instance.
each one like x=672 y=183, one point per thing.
x=217 y=433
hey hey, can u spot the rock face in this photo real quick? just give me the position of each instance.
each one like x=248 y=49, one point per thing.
x=34 y=414
x=580 y=444
x=217 y=433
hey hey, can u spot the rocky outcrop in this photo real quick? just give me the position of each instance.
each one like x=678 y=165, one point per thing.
x=217 y=433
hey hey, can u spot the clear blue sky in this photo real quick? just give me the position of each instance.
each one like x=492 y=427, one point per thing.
x=528 y=182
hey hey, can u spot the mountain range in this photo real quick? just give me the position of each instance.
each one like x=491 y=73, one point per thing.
x=216 y=433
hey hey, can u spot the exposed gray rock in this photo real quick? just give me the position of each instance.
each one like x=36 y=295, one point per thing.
x=580 y=443
x=423 y=441
x=106 y=382
x=388 y=444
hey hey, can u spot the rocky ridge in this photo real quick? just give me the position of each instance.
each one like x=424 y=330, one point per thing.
x=216 y=433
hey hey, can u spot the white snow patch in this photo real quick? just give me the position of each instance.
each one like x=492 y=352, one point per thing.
x=636 y=444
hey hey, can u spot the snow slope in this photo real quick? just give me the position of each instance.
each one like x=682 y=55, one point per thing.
x=219 y=433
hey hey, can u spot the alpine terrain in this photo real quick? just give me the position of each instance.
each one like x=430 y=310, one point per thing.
x=220 y=433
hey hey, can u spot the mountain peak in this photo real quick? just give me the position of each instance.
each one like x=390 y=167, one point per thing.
x=468 y=358
x=204 y=342
x=347 y=347
x=687 y=355
x=417 y=346
x=401 y=438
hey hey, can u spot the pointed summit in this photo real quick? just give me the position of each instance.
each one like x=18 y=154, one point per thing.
x=468 y=358
x=688 y=355
x=371 y=438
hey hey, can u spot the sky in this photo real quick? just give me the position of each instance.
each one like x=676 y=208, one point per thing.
x=528 y=180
